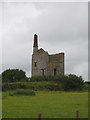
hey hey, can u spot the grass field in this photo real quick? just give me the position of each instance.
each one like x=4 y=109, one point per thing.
x=50 y=104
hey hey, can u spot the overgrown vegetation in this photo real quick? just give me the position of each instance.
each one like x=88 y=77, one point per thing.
x=24 y=92
x=13 y=75
x=66 y=82
x=32 y=85
x=16 y=79
x=52 y=83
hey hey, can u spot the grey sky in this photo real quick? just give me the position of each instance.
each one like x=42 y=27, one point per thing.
x=62 y=27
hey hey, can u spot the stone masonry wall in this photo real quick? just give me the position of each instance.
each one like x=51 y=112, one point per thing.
x=45 y=64
x=56 y=61
x=41 y=59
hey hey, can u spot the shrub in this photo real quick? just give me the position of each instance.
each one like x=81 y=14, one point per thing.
x=24 y=92
x=17 y=85
x=73 y=82
x=61 y=82
x=13 y=75
x=65 y=82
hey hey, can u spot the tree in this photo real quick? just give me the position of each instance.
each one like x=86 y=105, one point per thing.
x=13 y=75
x=73 y=82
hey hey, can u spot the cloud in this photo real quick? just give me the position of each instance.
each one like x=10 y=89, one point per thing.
x=16 y=39
x=82 y=69
x=0 y=38
x=62 y=27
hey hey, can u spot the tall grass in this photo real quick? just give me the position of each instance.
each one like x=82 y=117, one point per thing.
x=24 y=92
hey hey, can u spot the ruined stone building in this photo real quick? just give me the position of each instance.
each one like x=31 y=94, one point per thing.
x=45 y=64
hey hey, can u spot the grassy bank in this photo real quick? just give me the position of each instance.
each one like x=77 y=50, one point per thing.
x=52 y=104
x=43 y=85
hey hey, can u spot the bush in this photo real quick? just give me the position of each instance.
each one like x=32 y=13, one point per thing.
x=73 y=82
x=24 y=92
x=13 y=75
x=17 y=85
x=61 y=82
x=69 y=82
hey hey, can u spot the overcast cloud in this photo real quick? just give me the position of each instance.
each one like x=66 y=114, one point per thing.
x=62 y=27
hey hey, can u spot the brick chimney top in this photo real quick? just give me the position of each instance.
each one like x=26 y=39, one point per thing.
x=35 y=41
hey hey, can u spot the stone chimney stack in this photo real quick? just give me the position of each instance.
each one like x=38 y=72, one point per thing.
x=35 y=45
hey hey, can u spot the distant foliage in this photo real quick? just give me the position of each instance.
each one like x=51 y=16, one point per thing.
x=32 y=86
x=73 y=82
x=53 y=83
x=13 y=75
x=67 y=82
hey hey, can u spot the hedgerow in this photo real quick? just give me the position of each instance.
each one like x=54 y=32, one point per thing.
x=61 y=82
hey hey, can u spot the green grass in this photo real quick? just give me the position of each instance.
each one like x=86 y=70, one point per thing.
x=51 y=104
